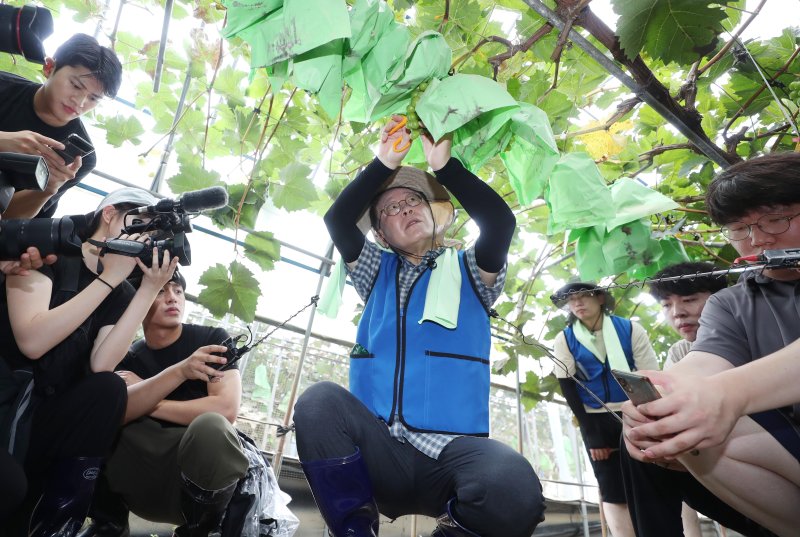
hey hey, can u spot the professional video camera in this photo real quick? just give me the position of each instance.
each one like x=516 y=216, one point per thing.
x=167 y=227
x=166 y=224
x=22 y=30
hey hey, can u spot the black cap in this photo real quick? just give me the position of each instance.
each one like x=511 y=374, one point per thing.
x=560 y=297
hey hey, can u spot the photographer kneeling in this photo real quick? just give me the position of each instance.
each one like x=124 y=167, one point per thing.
x=71 y=324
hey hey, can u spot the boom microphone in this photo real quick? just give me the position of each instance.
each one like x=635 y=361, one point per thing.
x=190 y=202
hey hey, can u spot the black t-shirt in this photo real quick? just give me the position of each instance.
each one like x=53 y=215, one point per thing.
x=17 y=114
x=149 y=362
x=69 y=360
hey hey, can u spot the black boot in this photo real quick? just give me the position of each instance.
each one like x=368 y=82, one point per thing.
x=447 y=526
x=108 y=512
x=343 y=493
x=202 y=509
x=65 y=500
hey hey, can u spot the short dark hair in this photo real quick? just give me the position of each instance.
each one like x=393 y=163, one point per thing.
x=135 y=279
x=765 y=181
x=374 y=213
x=689 y=285
x=83 y=50
x=178 y=278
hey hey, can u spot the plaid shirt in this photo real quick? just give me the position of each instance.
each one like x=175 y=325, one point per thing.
x=363 y=278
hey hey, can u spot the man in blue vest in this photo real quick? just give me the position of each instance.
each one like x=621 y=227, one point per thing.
x=411 y=434
x=588 y=350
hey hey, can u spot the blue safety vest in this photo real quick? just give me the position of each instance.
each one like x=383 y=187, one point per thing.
x=432 y=378
x=596 y=374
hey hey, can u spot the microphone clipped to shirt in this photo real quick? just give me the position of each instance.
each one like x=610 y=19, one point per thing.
x=190 y=202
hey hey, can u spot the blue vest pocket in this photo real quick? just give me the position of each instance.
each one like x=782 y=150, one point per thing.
x=457 y=356
x=454 y=390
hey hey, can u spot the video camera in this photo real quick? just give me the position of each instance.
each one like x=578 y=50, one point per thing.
x=166 y=223
x=22 y=30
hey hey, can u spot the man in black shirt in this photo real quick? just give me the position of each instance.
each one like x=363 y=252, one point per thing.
x=36 y=118
x=178 y=459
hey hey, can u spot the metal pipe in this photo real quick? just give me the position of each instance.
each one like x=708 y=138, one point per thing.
x=579 y=466
x=708 y=149
x=156 y=184
x=162 y=47
x=518 y=394
x=277 y=458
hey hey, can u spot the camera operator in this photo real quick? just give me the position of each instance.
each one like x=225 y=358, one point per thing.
x=35 y=118
x=13 y=484
x=72 y=323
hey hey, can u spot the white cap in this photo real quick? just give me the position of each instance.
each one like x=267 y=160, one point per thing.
x=134 y=196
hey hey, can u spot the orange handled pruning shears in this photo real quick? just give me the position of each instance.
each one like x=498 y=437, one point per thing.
x=400 y=125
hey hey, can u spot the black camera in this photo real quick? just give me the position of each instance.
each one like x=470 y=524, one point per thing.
x=234 y=352
x=166 y=224
x=50 y=235
x=178 y=246
x=20 y=172
x=22 y=30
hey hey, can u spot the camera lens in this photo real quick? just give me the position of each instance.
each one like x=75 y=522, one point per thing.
x=22 y=30
x=49 y=235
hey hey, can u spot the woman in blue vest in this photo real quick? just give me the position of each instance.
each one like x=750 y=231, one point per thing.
x=594 y=343
x=410 y=436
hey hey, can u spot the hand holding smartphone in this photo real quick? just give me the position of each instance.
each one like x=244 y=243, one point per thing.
x=639 y=388
x=74 y=146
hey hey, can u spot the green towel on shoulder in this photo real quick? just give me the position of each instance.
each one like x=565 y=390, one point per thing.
x=331 y=298
x=442 y=299
x=444 y=291
x=616 y=356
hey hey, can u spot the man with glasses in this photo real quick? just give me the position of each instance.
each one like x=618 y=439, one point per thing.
x=727 y=411
x=411 y=434
x=36 y=119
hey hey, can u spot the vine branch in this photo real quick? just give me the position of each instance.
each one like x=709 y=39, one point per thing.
x=758 y=92
x=734 y=38
x=446 y=16
x=511 y=48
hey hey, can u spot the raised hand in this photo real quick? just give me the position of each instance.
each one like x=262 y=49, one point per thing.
x=157 y=275
x=117 y=267
x=437 y=153
x=395 y=142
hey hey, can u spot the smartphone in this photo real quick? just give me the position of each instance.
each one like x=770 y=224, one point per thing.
x=639 y=388
x=74 y=146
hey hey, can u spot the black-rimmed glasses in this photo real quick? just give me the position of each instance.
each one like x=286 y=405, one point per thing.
x=773 y=224
x=412 y=200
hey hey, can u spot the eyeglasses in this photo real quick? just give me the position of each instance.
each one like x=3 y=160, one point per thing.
x=774 y=224
x=412 y=200
x=580 y=295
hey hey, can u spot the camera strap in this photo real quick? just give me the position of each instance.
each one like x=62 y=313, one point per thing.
x=236 y=352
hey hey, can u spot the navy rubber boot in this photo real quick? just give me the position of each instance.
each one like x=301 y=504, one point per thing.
x=447 y=526
x=67 y=496
x=343 y=493
x=108 y=512
x=202 y=509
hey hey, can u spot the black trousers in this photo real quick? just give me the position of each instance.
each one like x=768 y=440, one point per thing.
x=12 y=485
x=80 y=421
x=655 y=495
x=497 y=492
